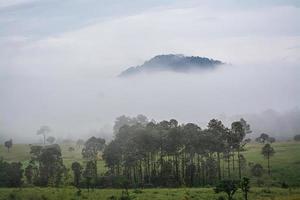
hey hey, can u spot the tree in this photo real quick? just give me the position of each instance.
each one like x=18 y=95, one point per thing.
x=43 y=130
x=8 y=144
x=262 y=138
x=227 y=186
x=29 y=173
x=90 y=173
x=112 y=155
x=257 y=170
x=268 y=152
x=245 y=186
x=4 y=176
x=271 y=140
x=218 y=138
x=50 y=164
x=77 y=170
x=297 y=138
x=239 y=134
x=10 y=174
x=92 y=147
x=125 y=120
x=15 y=174
x=51 y=139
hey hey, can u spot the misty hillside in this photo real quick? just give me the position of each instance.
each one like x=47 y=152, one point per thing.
x=174 y=63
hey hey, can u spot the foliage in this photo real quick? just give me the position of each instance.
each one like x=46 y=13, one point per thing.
x=228 y=186
x=50 y=164
x=77 y=170
x=92 y=147
x=170 y=155
x=245 y=186
x=10 y=174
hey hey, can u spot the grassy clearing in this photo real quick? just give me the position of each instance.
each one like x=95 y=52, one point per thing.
x=153 y=194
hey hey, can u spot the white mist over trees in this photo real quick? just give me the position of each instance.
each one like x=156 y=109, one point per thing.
x=62 y=73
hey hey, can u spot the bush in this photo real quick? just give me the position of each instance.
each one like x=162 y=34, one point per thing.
x=284 y=185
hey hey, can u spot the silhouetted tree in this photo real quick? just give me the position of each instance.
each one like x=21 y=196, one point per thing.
x=239 y=134
x=262 y=138
x=268 y=152
x=43 y=130
x=91 y=149
x=90 y=174
x=77 y=170
x=4 y=176
x=29 y=173
x=245 y=186
x=15 y=174
x=8 y=144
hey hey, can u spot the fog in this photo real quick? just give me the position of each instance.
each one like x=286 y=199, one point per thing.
x=67 y=78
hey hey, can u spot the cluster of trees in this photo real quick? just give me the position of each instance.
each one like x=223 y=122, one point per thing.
x=146 y=154
x=46 y=166
x=169 y=154
x=11 y=174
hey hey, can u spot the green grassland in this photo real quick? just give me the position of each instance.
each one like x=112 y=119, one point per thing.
x=146 y=194
x=285 y=167
x=285 y=163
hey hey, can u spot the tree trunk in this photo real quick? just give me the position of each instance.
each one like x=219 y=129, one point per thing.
x=219 y=166
x=239 y=163
x=228 y=166
x=269 y=172
x=176 y=168
x=233 y=166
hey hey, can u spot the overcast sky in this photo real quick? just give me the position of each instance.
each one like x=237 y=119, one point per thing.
x=59 y=61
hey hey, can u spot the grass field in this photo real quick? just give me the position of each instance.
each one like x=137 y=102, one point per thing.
x=285 y=164
x=153 y=194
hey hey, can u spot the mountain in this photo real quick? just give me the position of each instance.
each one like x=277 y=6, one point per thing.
x=174 y=63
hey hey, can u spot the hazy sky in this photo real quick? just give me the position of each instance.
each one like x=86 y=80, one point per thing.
x=59 y=61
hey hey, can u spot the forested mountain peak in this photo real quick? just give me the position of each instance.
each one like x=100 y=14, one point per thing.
x=174 y=63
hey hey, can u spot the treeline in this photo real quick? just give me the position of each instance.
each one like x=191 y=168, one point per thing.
x=145 y=154
x=170 y=155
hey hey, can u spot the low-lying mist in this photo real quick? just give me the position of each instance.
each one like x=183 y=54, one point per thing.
x=77 y=106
